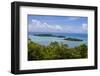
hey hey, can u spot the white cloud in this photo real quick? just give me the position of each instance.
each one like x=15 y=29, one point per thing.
x=58 y=27
x=39 y=26
x=73 y=29
x=73 y=18
x=43 y=27
x=85 y=26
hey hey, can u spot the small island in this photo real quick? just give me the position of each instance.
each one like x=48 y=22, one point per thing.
x=49 y=35
x=73 y=39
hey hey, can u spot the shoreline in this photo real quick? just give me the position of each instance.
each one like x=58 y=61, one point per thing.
x=59 y=36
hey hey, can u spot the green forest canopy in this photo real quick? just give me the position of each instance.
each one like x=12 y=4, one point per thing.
x=55 y=50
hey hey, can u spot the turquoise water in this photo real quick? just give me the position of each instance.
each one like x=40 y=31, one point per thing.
x=48 y=40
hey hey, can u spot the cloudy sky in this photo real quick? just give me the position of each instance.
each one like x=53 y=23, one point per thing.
x=57 y=24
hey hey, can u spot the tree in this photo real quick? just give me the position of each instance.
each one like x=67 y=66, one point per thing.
x=55 y=50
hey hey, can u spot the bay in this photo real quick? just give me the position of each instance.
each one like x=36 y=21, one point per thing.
x=47 y=40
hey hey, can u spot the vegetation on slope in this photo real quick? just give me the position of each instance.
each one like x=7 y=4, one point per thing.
x=73 y=39
x=55 y=50
x=49 y=35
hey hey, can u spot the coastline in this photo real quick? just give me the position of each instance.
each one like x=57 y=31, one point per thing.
x=45 y=40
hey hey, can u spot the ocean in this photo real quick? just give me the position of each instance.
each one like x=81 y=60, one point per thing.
x=47 y=40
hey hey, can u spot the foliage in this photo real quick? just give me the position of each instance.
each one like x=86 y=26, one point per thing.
x=49 y=35
x=55 y=50
x=73 y=39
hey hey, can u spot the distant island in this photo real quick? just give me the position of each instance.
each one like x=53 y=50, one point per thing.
x=49 y=35
x=73 y=39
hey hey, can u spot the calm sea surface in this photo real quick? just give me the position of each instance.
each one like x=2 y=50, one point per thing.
x=47 y=40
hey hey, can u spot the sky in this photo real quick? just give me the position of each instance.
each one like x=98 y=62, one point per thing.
x=57 y=24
